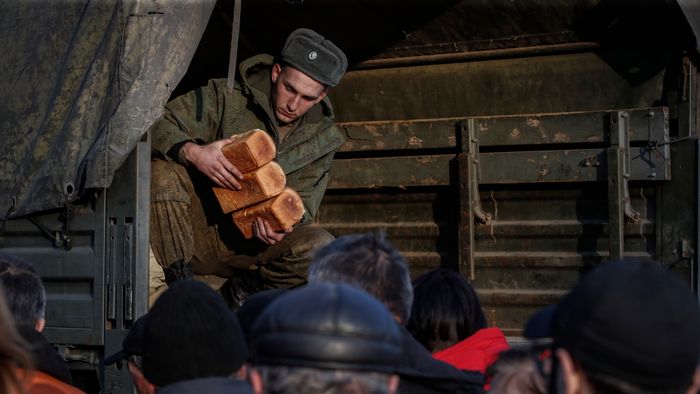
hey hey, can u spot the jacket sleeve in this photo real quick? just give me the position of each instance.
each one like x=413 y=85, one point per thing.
x=195 y=116
x=310 y=182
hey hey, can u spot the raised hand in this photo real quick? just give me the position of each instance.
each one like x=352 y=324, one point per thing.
x=209 y=160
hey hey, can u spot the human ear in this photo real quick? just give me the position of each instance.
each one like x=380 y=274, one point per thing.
x=143 y=386
x=255 y=381
x=275 y=73
x=695 y=387
x=39 y=325
x=571 y=374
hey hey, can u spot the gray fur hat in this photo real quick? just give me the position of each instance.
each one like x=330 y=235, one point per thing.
x=315 y=56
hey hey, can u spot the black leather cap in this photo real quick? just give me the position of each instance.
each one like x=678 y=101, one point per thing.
x=329 y=326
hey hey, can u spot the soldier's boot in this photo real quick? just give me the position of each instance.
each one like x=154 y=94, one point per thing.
x=238 y=288
x=178 y=270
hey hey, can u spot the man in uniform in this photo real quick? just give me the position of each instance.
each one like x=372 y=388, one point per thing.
x=287 y=98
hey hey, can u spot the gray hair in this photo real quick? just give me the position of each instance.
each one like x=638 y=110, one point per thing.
x=371 y=263
x=297 y=380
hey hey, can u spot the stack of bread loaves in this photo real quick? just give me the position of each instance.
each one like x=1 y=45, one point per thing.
x=263 y=192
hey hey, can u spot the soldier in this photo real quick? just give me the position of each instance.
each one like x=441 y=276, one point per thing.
x=287 y=98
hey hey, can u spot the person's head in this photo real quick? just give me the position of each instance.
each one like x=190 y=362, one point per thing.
x=13 y=353
x=308 y=65
x=519 y=371
x=370 y=263
x=189 y=333
x=253 y=307
x=445 y=309
x=627 y=327
x=325 y=338
x=24 y=291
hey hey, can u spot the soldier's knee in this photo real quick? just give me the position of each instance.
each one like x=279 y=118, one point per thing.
x=169 y=181
x=307 y=239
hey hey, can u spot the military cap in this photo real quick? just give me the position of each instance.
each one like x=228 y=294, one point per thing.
x=315 y=56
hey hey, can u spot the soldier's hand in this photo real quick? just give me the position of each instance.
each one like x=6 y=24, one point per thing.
x=209 y=160
x=264 y=232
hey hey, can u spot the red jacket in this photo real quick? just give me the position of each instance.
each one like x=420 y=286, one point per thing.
x=476 y=352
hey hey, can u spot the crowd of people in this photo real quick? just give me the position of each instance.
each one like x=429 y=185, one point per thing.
x=360 y=325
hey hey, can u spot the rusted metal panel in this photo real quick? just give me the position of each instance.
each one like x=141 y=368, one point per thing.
x=575 y=165
x=678 y=216
x=580 y=165
x=646 y=124
x=541 y=84
x=556 y=228
x=420 y=224
x=395 y=135
x=407 y=171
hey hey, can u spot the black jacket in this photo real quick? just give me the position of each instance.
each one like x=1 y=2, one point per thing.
x=213 y=385
x=45 y=357
x=421 y=373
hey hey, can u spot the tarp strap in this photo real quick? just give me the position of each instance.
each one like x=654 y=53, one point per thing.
x=235 y=29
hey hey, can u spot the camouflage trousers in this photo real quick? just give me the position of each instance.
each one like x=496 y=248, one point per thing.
x=187 y=224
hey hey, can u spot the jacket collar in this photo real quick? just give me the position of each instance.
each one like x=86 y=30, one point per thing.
x=254 y=74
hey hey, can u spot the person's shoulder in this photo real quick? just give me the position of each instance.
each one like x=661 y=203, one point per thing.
x=42 y=383
x=212 y=385
x=419 y=363
x=261 y=59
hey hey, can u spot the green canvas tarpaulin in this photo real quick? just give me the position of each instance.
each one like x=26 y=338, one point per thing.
x=82 y=81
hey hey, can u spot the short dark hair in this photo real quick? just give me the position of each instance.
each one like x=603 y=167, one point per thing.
x=524 y=369
x=24 y=290
x=445 y=310
x=371 y=263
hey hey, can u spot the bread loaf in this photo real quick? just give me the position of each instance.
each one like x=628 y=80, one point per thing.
x=282 y=212
x=256 y=186
x=250 y=150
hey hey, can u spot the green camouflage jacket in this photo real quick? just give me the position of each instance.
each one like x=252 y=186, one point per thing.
x=209 y=113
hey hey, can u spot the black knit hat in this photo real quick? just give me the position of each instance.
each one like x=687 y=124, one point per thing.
x=189 y=333
x=631 y=320
x=254 y=306
x=327 y=326
x=315 y=56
